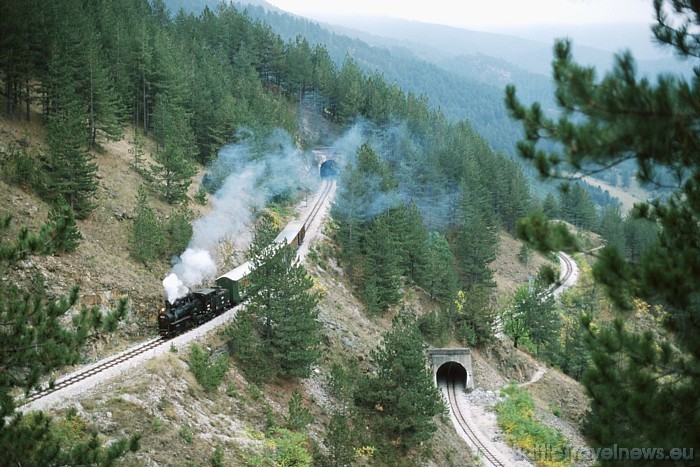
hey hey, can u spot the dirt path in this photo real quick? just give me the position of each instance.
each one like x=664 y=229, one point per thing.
x=541 y=371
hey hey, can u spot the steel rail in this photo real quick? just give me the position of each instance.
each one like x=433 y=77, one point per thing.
x=471 y=434
x=143 y=347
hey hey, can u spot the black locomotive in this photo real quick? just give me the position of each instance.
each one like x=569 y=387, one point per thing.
x=201 y=305
x=193 y=309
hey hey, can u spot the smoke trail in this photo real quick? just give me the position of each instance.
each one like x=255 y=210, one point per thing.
x=246 y=176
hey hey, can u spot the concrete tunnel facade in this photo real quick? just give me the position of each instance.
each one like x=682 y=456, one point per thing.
x=451 y=364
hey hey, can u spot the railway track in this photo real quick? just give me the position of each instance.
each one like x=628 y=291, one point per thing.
x=97 y=368
x=139 y=349
x=569 y=268
x=325 y=190
x=489 y=457
x=568 y=271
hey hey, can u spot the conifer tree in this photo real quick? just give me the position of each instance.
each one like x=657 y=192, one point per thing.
x=137 y=150
x=382 y=274
x=173 y=167
x=533 y=315
x=612 y=228
x=34 y=341
x=177 y=232
x=98 y=92
x=412 y=240
x=339 y=441
x=62 y=229
x=550 y=207
x=146 y=238
x=643 y=387
x=266 y=230
x=71 y=172
x=477 y=240
x=440 y=278
x=282 y=313
x=401 y=393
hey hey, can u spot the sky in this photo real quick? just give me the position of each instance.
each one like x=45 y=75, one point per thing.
x=485 y=15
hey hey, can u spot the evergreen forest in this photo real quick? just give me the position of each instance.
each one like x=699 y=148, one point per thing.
x=422 y=204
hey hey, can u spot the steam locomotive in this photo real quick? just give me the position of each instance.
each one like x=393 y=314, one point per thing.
x=201 y=305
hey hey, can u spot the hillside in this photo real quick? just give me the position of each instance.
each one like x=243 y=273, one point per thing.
x=165 y=403
x=421 y=234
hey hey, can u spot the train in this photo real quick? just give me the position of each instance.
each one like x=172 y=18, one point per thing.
x=202 y=305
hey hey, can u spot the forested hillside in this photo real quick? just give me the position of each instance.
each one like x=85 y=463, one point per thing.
x=89 y=72
x=421 y=206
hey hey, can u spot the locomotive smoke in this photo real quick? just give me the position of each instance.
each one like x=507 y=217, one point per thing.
x=194 y=266
x=247 y=174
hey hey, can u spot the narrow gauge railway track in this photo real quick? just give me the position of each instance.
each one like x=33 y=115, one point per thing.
x=143 y=347
x=569 y=268
x=325 y=190
x=489 y=456
x=99 y=367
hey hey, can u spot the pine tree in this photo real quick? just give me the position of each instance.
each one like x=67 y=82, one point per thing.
x=137 y=150
x=401 y=394
x=640 y=235
x=382 y=275
x=412 y=240
x=550 y=207
x=477 y=240
x=474 y=318
x=177 y=232
x=643 y=387
x=612 y=228
x=71 y=172
x=34 y=341
x=253 y=353
x=298 y=416
x=283 y=312
x=266 y=229
x=173 y=168
x=349 y=91
x=440 y=276
x=534 y=316
x=146 y=239
x=62 y=220
x=339 y=441
x=103 y=110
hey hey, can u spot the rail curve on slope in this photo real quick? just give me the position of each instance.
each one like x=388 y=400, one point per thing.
x=120 y=358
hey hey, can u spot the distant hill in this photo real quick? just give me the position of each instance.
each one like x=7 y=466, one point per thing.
x=436 y=42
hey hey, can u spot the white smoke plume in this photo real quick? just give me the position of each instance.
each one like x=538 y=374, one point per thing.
x=247 y=175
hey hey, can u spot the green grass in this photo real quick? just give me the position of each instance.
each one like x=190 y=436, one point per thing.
x=516 y=416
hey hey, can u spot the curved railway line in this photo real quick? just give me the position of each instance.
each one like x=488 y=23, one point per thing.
x=568 y=264
x=151 y=344
x=488 y=456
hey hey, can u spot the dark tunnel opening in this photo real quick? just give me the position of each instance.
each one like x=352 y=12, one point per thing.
x=451 y=372
x=330 y=169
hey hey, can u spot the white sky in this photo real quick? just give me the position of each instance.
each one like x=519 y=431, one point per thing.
x=482 y=14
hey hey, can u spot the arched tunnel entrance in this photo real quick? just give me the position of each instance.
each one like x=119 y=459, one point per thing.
x=330 y=169
x=451 y=372
x=454 y=364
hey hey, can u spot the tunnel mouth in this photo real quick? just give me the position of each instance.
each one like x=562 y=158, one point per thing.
x=330 y=169
x=451 y=372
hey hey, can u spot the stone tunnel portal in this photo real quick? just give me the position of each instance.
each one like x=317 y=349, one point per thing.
x=330 y=169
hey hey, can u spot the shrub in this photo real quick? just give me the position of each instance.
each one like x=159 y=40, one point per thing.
x=208 y=372
x=516 y=416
